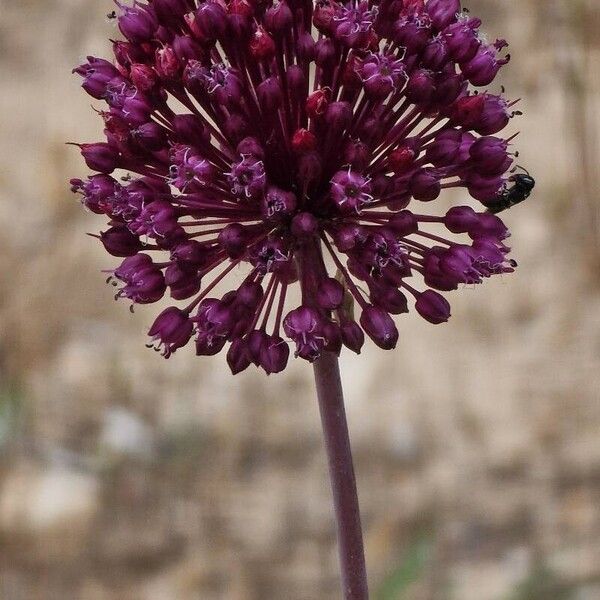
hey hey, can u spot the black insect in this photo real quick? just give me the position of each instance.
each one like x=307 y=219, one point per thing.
x=112 y=15
x=521 y=188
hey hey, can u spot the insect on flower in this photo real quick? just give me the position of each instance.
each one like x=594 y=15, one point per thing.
x=296 y=142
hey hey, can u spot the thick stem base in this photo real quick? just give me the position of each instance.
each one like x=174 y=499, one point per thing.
x=343 y=481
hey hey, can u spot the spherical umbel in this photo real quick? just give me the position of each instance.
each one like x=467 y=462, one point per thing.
x=240 y=146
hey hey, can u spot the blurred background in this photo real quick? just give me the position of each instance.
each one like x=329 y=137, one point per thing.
x=477 y=443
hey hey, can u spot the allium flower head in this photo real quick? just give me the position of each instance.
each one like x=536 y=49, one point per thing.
x=293 y=142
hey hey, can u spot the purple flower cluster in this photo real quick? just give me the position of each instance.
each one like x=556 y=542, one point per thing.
x=297 y=139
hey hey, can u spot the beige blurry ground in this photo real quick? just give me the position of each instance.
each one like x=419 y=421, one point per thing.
x=125 y=477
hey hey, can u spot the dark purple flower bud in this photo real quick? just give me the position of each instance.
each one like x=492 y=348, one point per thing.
x=274 y=354
x=338 y=115
x=467 y=110
x=190 y=252
x=167 y=64
x=489 y=225
x=326 y=55
x=119 y=241
x=443 y=12
x=186 y=48
x=304 y=225
x=309 y=167
x=382 y=74
x=144 y=77
x=247 y=178
x=421 y=86
x=391 y=299
x=269 y=95
x=490 y=156
x=250 y=147
x=433 y=307
x=448 y=87
x=403 y=223
x=484 y=66
x=240 y=18
x=233 y=240
x=333 y=336
x=171 y=330
x=278 y=203
x=238 y=358
x=144 y=281
x=348 y=236
x=250 y=294
x=413 y=32
x=150 y=136
x=379 y=326
x=100 y=157
x=318 y=102
x=330 y=294
x=461 y=219
x=236 y=127
x=305 y=47
x=304 y=326
x=262 y=46
x=425 y=185
x=462 y=39
x=494 y=115
x=482 y=188
x=296 y=81
x=356 y=154
x=211 y=20
x=353 y=336
x=183 y=281
x=303 y=141
x=126 y=54
x=189 y=129
x=323 y=14
x=444 y=149
x=96 y=73
x=433 y=274
x=279 y=18
x=137 y=23
x=255 y=341
x=402 y=160
x=435 y=55
x=350 y=191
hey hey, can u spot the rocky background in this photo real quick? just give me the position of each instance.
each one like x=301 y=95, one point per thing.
x=126 y=477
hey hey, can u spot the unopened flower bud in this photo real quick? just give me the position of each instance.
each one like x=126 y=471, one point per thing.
x=402 y=160
x=233 y=240
x=274 y=354
x=379 y=326
x=353 y=336
x=425 y=185
x=443 y=12
x=100 y=157
x=262 y=45
x=330 y=293
x=119 y=241
x=433 y=307
x=303 y=141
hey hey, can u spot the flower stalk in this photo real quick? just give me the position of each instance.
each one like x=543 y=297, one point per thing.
x=343 y=480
